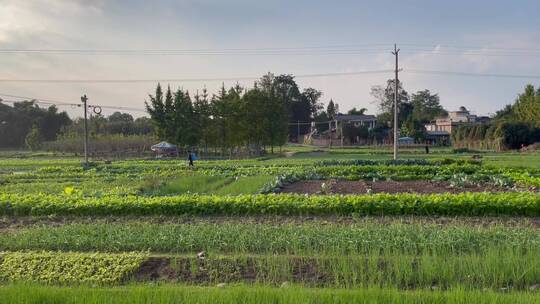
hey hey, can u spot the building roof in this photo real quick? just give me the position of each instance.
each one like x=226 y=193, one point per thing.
x=343 y=117
x=162 y=146
x=438 y=133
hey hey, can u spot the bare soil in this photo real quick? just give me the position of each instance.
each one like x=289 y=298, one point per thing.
x=363 y=187
x=193 y=270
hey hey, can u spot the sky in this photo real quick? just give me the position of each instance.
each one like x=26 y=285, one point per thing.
x=478 y=37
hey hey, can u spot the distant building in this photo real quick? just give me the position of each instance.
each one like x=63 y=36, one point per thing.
x=333 y=135
x=368 y=121
x=404 y=141
x=439 y=130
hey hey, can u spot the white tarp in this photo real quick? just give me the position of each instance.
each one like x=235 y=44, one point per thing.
x=163 y=146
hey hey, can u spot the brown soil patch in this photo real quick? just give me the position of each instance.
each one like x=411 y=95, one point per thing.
x=193 y=270
x=363 y=187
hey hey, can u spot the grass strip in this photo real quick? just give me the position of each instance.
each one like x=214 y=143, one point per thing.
x=170 y=294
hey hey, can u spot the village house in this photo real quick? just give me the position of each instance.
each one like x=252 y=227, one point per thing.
x=439 y=130
x=368 y=121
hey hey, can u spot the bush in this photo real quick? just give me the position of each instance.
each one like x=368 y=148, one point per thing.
x=514 y=134
x=66 y=268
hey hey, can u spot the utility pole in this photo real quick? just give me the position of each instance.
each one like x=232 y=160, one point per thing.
x=298 y=131
x=330 y=134
x=84 y=99
x=396 y=93
x=340 y=132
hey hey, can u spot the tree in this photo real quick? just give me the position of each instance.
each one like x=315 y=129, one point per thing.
x=32 y=139
x=203 y=117
x=312 y=97
x=183 y=124
x=384 y=98
x=17 y=121
x=156 y=109
x=527 y=106
x=514 y=134
x=354 y=111
x=51 y=122
x=332 y=109
x=505 y=113
x=426 y=106
x=276 y=109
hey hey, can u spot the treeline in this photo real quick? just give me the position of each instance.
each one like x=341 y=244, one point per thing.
x=115 y=124
x=513 y=127
x=117 y=133
x=248 y=119
x=26 y=124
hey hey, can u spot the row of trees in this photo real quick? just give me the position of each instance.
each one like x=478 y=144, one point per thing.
x=514 y=126
x=25 y=123
x=115 y=124
x=237 y=118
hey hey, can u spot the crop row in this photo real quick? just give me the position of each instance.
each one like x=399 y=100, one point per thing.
x=246 y=237
x=68 y=268
x=352 y=172
x=471 y=204
x=519 y=270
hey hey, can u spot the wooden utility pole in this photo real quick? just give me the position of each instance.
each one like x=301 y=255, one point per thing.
x=84 y=100
x=330 y=134
x=298 y=131
x=340 y=132
x=396 y=98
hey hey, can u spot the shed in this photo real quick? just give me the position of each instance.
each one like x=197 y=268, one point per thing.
x=164 y=149
x=406 y=140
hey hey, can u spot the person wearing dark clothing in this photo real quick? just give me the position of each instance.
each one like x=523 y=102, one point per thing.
x=427 y=149
x=190 y=158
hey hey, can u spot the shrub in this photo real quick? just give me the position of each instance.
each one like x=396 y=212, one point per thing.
x=66 y=268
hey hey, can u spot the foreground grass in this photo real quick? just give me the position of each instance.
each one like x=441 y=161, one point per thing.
x=169 y=294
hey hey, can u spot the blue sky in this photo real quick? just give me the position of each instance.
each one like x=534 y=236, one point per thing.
x=426 y=32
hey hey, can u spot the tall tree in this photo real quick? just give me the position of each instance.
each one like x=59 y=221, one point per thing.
x=183 y=122
x=384 y=96
x=426 y=106
x=332 y=109
x=158 y=114
x=527 y=106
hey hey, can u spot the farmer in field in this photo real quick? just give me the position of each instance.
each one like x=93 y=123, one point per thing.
x=191 y=158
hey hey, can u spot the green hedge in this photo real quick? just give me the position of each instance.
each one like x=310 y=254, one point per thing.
x=67 y=268
x=470 y=204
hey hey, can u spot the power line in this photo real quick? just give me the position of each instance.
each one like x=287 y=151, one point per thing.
x=469 y=47
x=62 y=103
x=187 y=79
x=303 y=50
x=349 y=49
x=455 y=73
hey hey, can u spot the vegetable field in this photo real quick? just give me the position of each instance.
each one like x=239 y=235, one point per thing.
x=352 y=226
